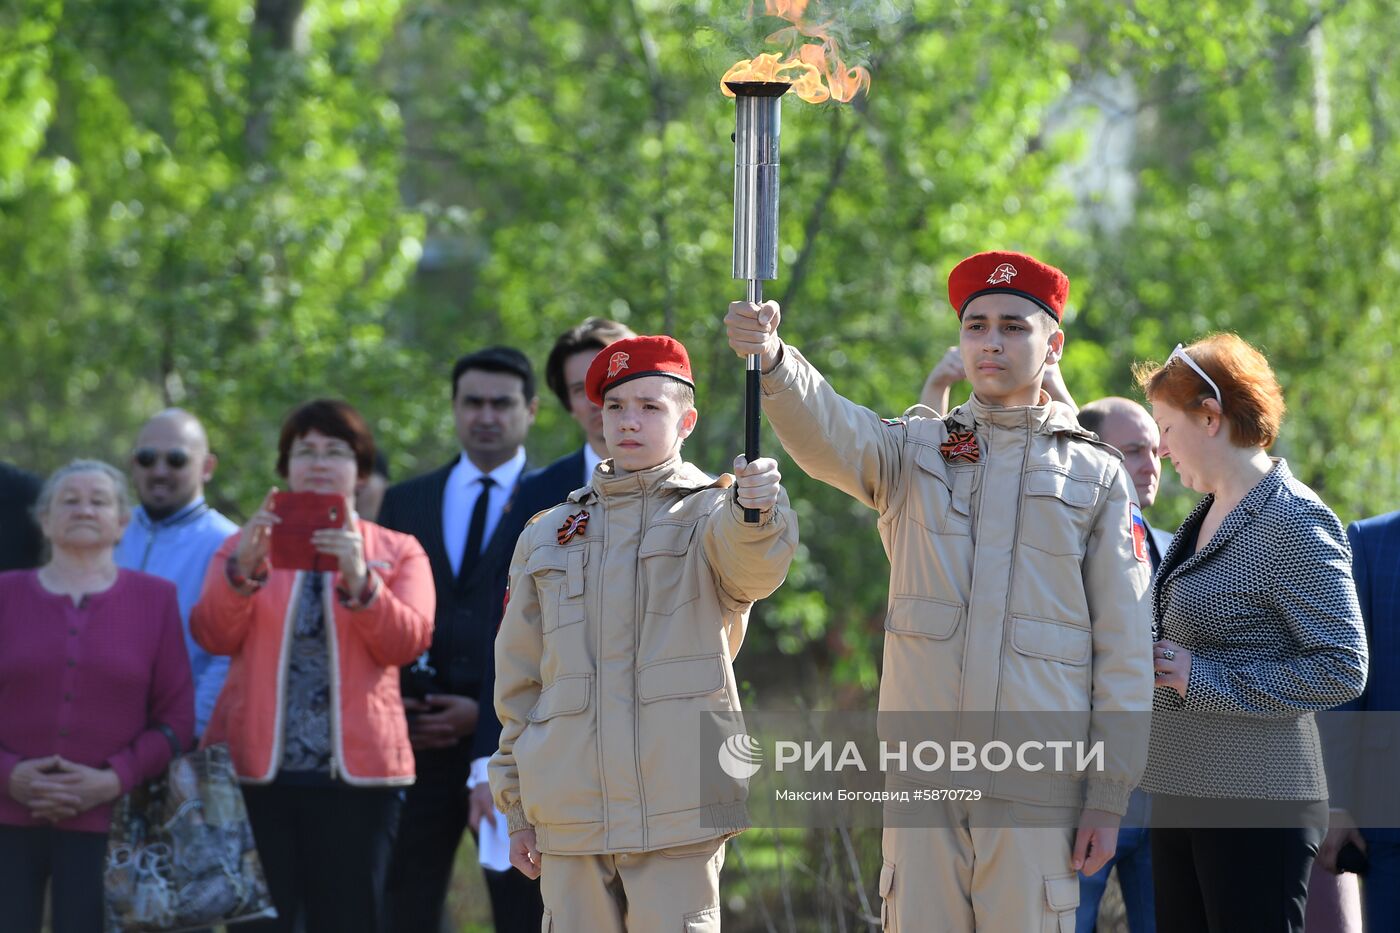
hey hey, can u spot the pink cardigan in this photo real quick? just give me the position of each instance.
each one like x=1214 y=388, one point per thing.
x=87 y=682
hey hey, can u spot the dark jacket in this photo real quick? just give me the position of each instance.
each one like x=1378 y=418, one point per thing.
x=1375 y=542
x=20 y=541
x=469 y=603
x=1364 y=754
x=538 y=490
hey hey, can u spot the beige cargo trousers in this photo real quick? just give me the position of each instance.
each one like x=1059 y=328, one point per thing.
x=675 y=889
x=993 y=866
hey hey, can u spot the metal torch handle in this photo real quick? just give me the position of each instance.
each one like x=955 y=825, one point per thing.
x=752 y=413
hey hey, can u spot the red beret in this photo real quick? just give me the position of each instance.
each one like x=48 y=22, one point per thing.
x=1011 y=273
x=632 y=358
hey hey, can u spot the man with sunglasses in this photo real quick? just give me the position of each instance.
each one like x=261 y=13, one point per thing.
x=174 y=532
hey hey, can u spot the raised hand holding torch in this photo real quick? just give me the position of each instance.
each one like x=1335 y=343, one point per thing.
x=817 y=73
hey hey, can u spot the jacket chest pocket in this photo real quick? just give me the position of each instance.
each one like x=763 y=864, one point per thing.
x=1057 y=512
x=1053 y=641
x=670 y=574
x=940 y=497
x=559 y=574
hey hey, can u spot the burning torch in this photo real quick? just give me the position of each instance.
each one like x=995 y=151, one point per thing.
x=816 y=74
x=756 y=138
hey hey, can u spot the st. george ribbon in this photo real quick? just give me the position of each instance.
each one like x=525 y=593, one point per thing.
x=756 y=141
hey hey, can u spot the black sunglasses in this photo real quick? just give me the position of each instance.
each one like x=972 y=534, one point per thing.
x=147 y=457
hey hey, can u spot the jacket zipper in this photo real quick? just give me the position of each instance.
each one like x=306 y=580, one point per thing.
x=598 y=663
x=639 y=615
x=1015 y=557
x=150 y=545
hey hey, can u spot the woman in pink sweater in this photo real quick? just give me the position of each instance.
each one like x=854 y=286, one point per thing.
x=91 y=659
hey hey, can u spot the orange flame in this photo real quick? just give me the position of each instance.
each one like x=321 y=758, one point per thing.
x=815 y=70
x=790 y=10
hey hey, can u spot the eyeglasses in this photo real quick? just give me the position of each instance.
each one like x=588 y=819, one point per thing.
x=1180 y=353
x=148 y=457
x=332 y=454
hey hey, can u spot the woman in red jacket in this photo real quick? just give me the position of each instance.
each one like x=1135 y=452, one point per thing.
x=311 y=709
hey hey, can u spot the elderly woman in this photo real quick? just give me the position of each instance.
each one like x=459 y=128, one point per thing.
x=1259 y=626
x=311 y=709
x=92 y=658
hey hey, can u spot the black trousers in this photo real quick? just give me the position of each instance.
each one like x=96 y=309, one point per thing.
x=31 y=859
x=325 y=852
x=1233 y=880
x=434 y=818
x=516 y=903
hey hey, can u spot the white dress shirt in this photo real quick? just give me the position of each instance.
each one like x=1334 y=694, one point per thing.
x=590 y=463
x=459 y=499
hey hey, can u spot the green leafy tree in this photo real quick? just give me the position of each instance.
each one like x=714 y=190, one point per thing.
x=200 y=207
x=236 y=206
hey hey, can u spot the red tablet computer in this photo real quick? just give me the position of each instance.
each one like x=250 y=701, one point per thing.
x=301 y=514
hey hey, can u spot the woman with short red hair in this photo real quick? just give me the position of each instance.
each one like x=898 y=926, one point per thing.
x=1258 y=626
x=311 y=709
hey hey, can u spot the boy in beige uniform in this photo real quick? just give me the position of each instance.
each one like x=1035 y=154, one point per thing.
x=627 y=605
x=1017 y=585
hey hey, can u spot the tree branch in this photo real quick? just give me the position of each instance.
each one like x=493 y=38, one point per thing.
x=871 y=918
x=661 y=113
x=817 y=216
x=738 y=849
x=273 y=35
x=840 y=159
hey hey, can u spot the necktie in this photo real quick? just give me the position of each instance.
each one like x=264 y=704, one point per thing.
x=476 y=530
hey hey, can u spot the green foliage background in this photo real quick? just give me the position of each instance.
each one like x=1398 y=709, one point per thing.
x=234 y=207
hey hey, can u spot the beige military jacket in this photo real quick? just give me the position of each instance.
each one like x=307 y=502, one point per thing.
x=1014 y=582
x=620 y=632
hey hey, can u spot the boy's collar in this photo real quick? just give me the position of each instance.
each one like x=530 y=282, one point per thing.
x=1047 y=416
x=673 y=475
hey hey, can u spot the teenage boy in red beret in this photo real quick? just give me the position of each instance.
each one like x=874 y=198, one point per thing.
x=1016 y=586
x=627 y=605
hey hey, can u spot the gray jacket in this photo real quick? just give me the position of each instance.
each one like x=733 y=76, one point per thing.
x=1268 y=610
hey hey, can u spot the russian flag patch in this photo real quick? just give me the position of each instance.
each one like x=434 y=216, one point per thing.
x=1139 y=532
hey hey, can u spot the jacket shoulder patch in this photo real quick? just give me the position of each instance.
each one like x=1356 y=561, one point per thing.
x=1139 y=529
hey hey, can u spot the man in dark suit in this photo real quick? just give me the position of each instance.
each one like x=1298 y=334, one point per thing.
x=564 y=373
x=1356 y=751
x=458 y=514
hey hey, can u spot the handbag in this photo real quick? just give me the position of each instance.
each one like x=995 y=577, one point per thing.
x=180 y=853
